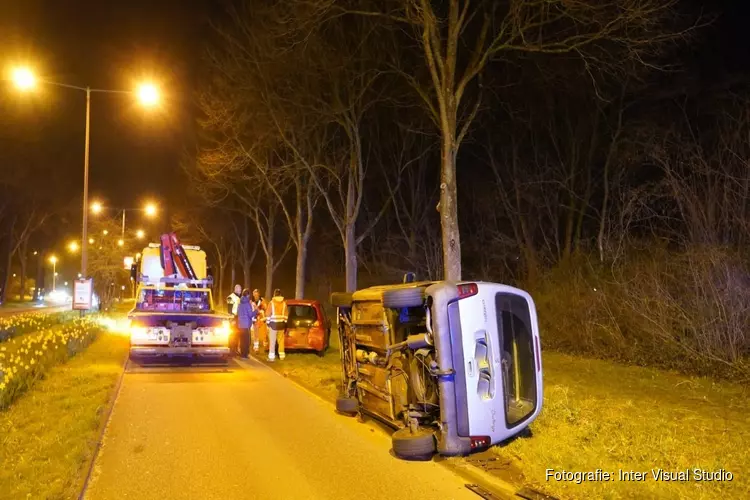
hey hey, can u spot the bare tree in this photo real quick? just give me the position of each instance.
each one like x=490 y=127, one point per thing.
x=550 y=27
x=315 y=80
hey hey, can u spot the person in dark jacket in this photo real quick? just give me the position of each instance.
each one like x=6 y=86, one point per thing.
x=246 y=313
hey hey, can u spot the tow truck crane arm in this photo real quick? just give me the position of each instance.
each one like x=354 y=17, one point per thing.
x=174 y=259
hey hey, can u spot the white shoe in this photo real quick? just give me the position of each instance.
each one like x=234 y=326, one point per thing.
x=256 y=347
x=282 y=356
x=270 y=359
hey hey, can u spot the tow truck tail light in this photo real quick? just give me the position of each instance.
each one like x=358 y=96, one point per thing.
x=467 y=290
x=316 y=324
x=479 y=442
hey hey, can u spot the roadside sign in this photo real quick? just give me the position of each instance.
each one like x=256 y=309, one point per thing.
x=83 y=294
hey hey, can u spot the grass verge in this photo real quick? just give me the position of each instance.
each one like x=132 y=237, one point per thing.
x=602 y=415
x=49 y=434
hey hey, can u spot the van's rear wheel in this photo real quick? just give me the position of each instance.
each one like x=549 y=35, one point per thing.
x=347 y=406
x=418 y=445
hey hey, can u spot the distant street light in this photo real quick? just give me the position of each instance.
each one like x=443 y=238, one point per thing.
x=105 y=232
x=91 y=241
x=140 y=234
x=73 y=246
x=146 y=93
x=150 y=209
x=120 y=243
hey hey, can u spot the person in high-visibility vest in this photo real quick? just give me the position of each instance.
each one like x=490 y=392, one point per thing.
x=260 y=306
x=233 y=303
x=277 y=314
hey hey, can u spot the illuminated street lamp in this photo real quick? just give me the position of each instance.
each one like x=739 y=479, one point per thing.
x=120 y=243
x=140 y=234
x=96 y=207
x=73 y=246
x=53 y=260
x=91 y=241
x=24 y=78
x=147 y=94
x=150 y=209
x=105 y=232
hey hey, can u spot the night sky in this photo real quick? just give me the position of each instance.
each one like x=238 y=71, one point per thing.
x=135 y=154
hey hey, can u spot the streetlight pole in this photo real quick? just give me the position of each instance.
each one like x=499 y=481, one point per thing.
x=84 y=232
x=148 y=95
x=123 y=224
x=54 y=275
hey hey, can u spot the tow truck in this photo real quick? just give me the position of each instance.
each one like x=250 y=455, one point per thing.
x=174 y=314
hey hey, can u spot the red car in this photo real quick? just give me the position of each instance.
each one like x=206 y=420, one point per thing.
x=307 y=326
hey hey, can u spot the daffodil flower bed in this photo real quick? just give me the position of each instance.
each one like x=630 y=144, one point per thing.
x=24 y=361
x=18 y=324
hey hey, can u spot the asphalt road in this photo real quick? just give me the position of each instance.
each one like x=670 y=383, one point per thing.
x=246 y=432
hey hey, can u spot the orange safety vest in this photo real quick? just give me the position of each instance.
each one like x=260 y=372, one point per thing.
x=278 y=316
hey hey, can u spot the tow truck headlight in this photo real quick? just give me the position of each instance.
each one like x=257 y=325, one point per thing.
x=142 y=334
x=212 y=335
x=222 y=332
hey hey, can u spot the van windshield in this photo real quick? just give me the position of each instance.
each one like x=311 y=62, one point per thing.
x=173 y=300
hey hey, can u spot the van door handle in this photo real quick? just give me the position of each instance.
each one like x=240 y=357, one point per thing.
x=470 y=365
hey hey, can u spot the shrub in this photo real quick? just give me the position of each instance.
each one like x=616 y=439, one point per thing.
x=686 y=310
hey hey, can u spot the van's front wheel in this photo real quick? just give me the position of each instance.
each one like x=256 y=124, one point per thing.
x=417 y=445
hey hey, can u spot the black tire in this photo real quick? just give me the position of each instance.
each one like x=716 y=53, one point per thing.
x=413 y=446
x=341 y=299
x=403 y=297
x=347 y=406
x=322 y=352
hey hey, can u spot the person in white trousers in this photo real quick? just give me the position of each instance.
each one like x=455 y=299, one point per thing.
x=276 y=317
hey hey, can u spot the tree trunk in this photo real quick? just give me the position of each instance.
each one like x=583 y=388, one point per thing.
x=299 y=290
x=269 y=254
x=8 y=262
x=245 y=254
x=449 y=211
x=350 y=257
x=22 y=262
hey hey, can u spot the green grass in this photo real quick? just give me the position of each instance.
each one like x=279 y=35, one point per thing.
x=48 y=435
x=600 y=414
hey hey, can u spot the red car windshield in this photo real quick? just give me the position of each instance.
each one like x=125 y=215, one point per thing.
x=170 y=300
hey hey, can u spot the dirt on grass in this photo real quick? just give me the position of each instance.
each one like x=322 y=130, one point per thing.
x=47 y=437
x=602 y=415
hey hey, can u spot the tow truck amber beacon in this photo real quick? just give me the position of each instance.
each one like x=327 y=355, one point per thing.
x=174 y=315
